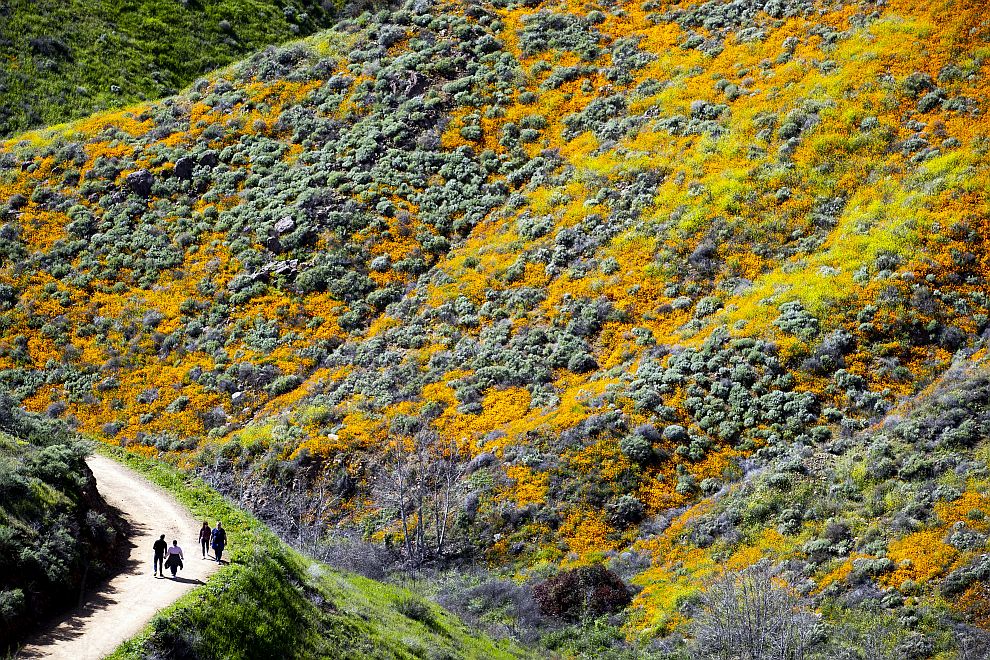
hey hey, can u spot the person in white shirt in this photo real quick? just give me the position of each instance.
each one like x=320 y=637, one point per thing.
x=174 y=560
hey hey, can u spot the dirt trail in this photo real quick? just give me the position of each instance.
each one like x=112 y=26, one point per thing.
x=117 y=610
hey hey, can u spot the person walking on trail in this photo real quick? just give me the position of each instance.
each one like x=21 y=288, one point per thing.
x=204 y=537
x=218 y=539
x=160 y=547
x=174 y=561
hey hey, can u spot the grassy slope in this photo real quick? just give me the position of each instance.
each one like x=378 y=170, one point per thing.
x=272 y=602
x=746 y=180
x=62 y=60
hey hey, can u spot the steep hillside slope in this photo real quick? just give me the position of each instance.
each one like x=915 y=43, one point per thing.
x=270 y=602
x=532 y=283
x=62 y=60
x=884 y=532
x=56 y=532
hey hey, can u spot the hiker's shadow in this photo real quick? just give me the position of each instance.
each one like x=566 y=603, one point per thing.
x=183 y=580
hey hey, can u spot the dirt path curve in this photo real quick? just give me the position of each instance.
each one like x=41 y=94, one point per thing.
x=117 y=610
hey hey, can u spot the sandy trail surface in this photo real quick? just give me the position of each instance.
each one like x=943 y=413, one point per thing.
x=115 y=611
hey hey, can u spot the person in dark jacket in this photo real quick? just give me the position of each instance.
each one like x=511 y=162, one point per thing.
x=174 y=561
x=218 y=539
x=160 y=547
x=204 y=537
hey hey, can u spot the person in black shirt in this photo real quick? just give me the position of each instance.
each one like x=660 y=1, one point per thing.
x=204 y=538
x=160 y=547
x=218 y=539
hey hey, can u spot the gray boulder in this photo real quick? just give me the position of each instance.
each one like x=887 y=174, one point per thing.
x=140 y=182
x=184 y=167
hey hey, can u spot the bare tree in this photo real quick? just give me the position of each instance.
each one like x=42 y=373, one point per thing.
x=423 y=479
x=752 y=615
x=306 y=511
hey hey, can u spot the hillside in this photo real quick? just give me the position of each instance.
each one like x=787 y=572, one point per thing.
x=56 y=532
x=270 y=602
x=62 y=60
x=540 y=285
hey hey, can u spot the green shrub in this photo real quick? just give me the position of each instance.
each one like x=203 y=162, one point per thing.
x=415 y=609
x=637 y=448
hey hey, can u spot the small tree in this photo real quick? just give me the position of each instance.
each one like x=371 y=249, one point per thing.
x=752 y=615
x=304 y=513
x=423 y=478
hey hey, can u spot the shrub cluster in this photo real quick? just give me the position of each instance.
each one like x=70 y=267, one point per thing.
x=55 y=530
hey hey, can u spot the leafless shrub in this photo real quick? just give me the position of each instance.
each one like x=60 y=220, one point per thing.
x=580 y=592
x=352 y=554
x=752 y=615
x=423 y=478
x=502 y=607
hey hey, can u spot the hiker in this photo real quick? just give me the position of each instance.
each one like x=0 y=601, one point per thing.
x=174 y=561
x=204 y=537
x=160 y=547
x=218 y=539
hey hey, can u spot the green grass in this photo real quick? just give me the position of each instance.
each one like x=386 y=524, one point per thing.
x=270 y=601
x=65 y=59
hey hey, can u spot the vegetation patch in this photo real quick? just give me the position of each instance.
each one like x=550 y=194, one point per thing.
x=65 y=60
x=57 y=535
x=271 y=601
x=539 y=286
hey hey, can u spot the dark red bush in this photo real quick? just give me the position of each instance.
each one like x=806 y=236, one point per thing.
x=581 y=592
